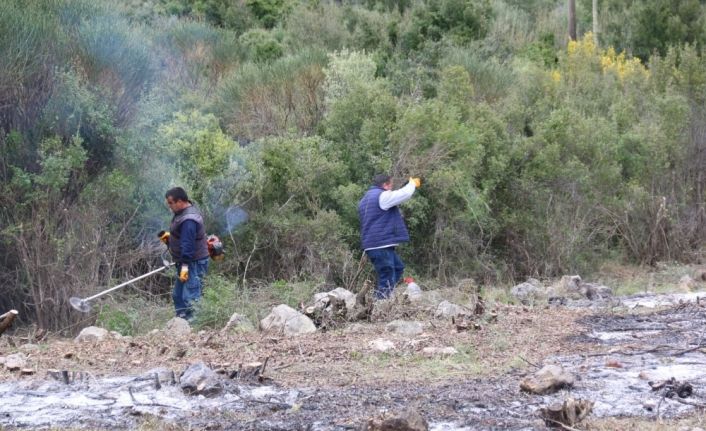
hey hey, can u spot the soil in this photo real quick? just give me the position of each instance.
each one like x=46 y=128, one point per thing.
x=334 y=380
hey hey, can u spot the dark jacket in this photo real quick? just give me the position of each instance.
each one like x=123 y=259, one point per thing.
x=380 y=227
x=176 y=247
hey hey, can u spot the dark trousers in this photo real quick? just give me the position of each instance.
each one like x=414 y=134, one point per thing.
x=186 y=294
x=389 y=268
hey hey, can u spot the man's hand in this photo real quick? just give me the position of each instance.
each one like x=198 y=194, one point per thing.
x=184 y=273
x=417 y=182
x=164 y=236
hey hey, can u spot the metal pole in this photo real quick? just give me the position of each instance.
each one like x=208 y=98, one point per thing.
x=128 y=282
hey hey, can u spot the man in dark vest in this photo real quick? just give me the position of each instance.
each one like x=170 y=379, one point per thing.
x=382 y=229
x=187 y=244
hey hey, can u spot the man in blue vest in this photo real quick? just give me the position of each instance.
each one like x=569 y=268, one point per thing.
x=186 y=239
x=382 y=229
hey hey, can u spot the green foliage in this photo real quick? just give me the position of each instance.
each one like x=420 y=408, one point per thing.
x=460 y=20
x=261 y=45
x=268 y=12
x=200 y=150
x=217 y=303
x=645 y=27
x=535 y=157
x=116 y=320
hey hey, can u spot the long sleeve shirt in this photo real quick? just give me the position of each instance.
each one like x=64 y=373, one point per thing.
x=188 y=240
x=392 y=198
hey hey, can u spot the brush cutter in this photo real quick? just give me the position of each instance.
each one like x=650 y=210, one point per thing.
x=82 y=304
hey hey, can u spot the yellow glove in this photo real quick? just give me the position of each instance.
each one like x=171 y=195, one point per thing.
x=164 y=236
x=417 y=182
x=184 y=273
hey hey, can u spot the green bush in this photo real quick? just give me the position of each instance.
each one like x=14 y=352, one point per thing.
x=217 y=304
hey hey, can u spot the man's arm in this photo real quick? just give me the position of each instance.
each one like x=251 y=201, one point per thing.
x=390 y=198
x=188 y=240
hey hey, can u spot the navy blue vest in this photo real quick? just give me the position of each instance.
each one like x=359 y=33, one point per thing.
x=377 y=226
x=201 y=248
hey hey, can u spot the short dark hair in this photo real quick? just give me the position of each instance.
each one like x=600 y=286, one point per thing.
x=177 y=194
x=381 y=179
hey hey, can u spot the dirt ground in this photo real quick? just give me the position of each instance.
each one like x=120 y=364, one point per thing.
x=340 y=382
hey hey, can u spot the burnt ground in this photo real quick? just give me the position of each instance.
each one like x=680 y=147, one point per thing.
x=336 y=381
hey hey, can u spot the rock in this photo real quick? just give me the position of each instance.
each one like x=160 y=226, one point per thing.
x=687 y=284
x=198 y=379
x=528 y=292
x=15 y=361
x=595 y=291
x=90 y=334
x=405 y=327
x=412 y=291
x=345 y=295
x=549 y=379
x=239 y=323
x=177 y=326
x=568 y=286
x=439 y=351
x=29 y=347
x=408 y=420
x=284 y=318
x=26 y=372
x=382 y=345
x=448 y=310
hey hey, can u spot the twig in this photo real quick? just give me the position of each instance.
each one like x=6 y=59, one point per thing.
x=531 y=363
x=562 y=425
x=689 y=403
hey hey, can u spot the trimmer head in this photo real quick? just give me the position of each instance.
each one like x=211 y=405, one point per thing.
x=80 y=304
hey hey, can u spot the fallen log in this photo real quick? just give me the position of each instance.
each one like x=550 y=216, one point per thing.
x=7 y=319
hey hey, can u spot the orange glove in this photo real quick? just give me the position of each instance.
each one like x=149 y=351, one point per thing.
x=417 y=181
x=164 y=236
x=184 y=273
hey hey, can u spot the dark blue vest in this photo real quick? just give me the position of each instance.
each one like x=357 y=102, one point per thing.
x=201 y=248
x=377 y=226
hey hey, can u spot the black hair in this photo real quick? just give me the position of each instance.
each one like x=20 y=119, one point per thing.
x=381 y=179
x=177 y=194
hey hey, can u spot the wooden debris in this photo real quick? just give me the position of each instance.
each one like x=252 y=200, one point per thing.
x=252 y=372
x=673 y=387
x=26 y=372
x=7 y=319
x=566 y=414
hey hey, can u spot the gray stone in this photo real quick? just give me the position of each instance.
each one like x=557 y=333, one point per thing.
x=239 y=323
x=447 y=310
x=287 y=320
x=528 y=292
x=595 y=291
x=91 y=334
x=178 y=327
x=549 y=379
x=15 y=362
x=198 y=379
x=405 y=327
x=382 y=345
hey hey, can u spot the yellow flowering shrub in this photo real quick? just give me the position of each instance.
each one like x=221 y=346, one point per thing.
x=583 y=56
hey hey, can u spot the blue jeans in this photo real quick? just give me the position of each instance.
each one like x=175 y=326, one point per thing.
x=389 y=268
x=187 y=293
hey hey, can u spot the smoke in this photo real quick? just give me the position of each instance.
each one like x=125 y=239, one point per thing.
x=234 y=217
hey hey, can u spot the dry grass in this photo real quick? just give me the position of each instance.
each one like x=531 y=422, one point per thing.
x=644 y=424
